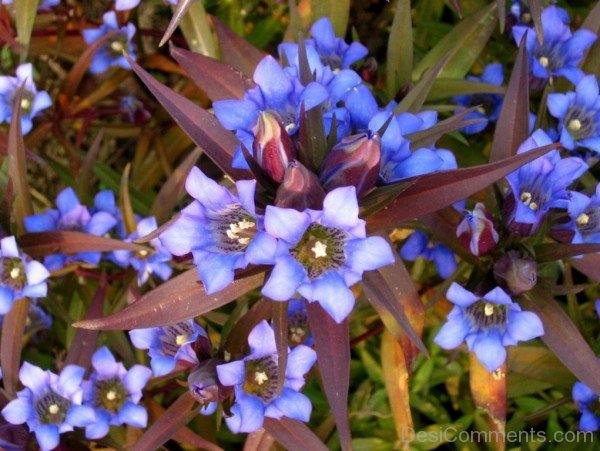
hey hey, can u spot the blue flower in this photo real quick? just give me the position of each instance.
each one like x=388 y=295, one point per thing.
x=145 y=262
x=222 y=231
x=487 y=324
x=110 y=54
x=322 y=253
x=73 y=216
x=584 y=214
x=111 y=396
x=561 y=51
x=538 y=186
x=522 y=14
x=489 y=105
x=124 y=5
x=297 y=321
x=588 y=404
x=20 y=276
x=46 y=402
x=255 y=381
x=578 y=114
x=418 y=245
x=168 y=345
x=32 y=102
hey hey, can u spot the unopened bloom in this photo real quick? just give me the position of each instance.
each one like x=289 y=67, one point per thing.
x=273 y=148
x=222 y=231
x=515 y=272
x=418 y=245
x=111 y=396
x=487 y=324
x=322 y=253
x=20 y=276
x=32 y=102
x=300 y=188
x=46 y=403
x=110 y=54
x=578 y=114
x=205 y=386
x=255 y=381
x=168 y=345
x=476 y=231
x=588 y=404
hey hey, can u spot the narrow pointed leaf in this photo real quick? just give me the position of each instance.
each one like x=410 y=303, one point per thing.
x=295 y=25
x=87 y=168
x=489 y=393
x=555 y=251
x=11 y=343
x=563 y=338
x=280 y=324
x=236 y=51
x=399 y=63
x=293 y=434
x=179 y=299
x=416 y=97
x=535 y=7
x=217 y=79
x=444 y=88
x=204 y=129
x=502 y=14
x=196 y=28
x=179 y=12
x=332 y=343
x=588 y=265
x=25 y=12
x=431 y=192
x=260 y=440
x=337 y=10
x=125 y=202
x=591 y=64
x=513 y=124
x=311 y=137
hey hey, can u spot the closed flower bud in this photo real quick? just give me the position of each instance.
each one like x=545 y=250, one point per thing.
x=476 y=231
x=300 y=189
x=273 y=148
x=515 y=272
x=354 y=161
x=204 y=383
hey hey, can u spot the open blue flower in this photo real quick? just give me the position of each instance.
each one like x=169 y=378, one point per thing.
x=221 y=230
x=73 y=216
x=578 y=114
x=110 y=54
x=322 y=253
x=418 y=245
x=488 y=105
x=168 y=345
x=588 y=404
x=584 y=214
x=487 y=324
x=297 y=321
x=145 y=262
x=111 y=396
x=255 y=381
x=46 y=403
x=20 y=276
x=32 y=102
x=561 y=51
x=124 y=5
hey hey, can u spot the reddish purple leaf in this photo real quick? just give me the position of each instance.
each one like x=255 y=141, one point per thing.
x=293 y=434
x=180 y=11
x=41 y=244
x=588 y=265
x=236 y=51
x=280 y=324
x=11 y=343
x=555 y=251
x=332 y=343
x=179 y=299
x=535 y=7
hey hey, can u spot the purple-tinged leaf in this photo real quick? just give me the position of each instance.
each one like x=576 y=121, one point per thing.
x=548 y=252
x=414 y=100
x=178 y=14
x=589 y=265
x=535 y=8
x=217 y=79
x=512 y=127
x=84 y=342
x=489 y=393
x=502 y=14
x=204 y=129
x=431 y=192
x=236 y=51
x=234 y=342
x=280 y=325
x=41 y=244
x=293 y=434
x=332 y=343
x=312 y=142
x=591 y=64
x=179 y=299
x=399 y=62
x=260 y=440
x=86 y=171
x=11 y=343
x=381 y=196
x=197 y=29
x=563 y=338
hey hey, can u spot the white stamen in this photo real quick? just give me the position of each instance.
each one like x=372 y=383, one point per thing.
x=143 y=253
x=111 y=395
x=319 y=249
x=527 y=199
x=544 y=61
x=117 y=46
x=260 y=377
x=181 y=339
x=582 y=220
x=15 y=272
x=488 y=309
x=574 y=125
x=53 y=409
x=25 y=104
x=236 y=228
x=289 y=127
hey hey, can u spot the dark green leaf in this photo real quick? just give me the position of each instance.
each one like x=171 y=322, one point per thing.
x=399 y=63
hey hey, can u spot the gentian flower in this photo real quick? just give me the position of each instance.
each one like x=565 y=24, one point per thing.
x=46 y=403
x=255 y=380
x=487 y=324
x=168 y=345
x=418 y=245
x=488 y=105
x=145 y=262
x=20 y=276
x=538 y=186
x=222 y=231
x=73 y=216
x=124 y=5
x=561 y=51
x=32 y=102
x=584 y=214
x=297 y=321
x=476 y=231
x=521 y=14
x=322 y=253
x=578 y=114
x=110 y=54
x=588 y=404
x=111 y=396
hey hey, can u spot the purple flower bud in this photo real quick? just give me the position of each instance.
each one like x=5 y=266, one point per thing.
x=354 y=161
x=476 y=231
x=273 y=148
x=300 y=189
x=204 y=383
x=515 y=272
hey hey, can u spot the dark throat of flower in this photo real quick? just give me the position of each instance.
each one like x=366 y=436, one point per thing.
x=298 y=328
x=52 y=408
x=116 y=46
x=486 y=315
x=110 y=394
x=235 y=229
x=588 y=222
x=175 y=336
x=12 y=273
x=261 y=377
x=580 y=123
x=320 y=249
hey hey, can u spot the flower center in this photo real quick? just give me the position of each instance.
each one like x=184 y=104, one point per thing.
x=235 y=229
x=115 y=47
x=588 y=222
x=297 y=328
x=52 y=408
x=544 y=61
x=320 y=249
x=527 y=198
x=175 y=336
x=574 y=125
x=580 y=123
x=12 y=272
x=110 y=394
x=526 y=18
x=261 y=377
x=486 y=315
